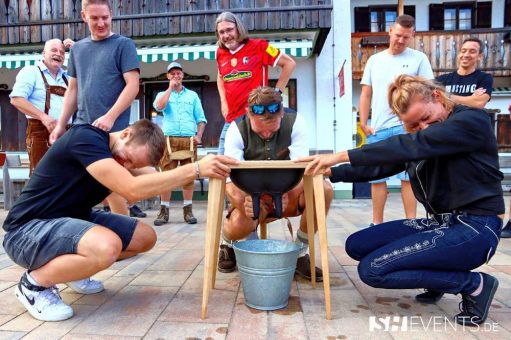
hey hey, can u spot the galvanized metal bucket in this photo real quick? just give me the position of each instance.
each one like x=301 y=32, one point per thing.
x=266 y=268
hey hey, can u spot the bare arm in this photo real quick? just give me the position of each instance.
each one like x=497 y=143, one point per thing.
x=365 y=107
x=128 y=94
x=30 y=110
x=321 y=164
x=478 y=99
x=200 y=131
x=288 y=65
x=221 y=92
x=118 y=179
x=68 y=108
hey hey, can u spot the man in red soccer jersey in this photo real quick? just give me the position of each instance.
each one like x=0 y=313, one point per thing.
x=243 y=66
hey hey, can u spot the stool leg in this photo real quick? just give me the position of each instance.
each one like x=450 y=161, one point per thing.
x=309 y=207
x=216 y=191
x=218 y=231
x=263 y=230
x=319 y=198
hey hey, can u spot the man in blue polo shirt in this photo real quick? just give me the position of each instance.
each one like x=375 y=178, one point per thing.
x=183 y=126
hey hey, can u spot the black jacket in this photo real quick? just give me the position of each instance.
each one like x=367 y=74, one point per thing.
x=453 y=165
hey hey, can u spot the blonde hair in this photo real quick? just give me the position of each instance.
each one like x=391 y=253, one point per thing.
x=405 y=88
x=86 y=3
x=233 y=18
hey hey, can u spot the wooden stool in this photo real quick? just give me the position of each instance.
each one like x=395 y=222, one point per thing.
x=314 y=197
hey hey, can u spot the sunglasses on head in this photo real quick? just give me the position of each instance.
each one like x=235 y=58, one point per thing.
x=258 y=109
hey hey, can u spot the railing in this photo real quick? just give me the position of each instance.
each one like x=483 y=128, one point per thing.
x=27 y=21
x=441 y=49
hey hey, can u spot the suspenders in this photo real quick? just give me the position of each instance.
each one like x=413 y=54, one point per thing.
x=52 y=89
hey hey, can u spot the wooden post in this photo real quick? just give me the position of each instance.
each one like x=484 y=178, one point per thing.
x=400 y=7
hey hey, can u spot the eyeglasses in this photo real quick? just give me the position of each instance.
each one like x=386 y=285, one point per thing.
x=258 y=109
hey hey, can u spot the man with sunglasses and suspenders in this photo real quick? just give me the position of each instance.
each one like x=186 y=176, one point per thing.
x=266 y=132
x=39 y=93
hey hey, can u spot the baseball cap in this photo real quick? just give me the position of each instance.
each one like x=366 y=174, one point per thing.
x=174 y=64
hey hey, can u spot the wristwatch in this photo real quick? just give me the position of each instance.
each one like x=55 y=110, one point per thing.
x=278 y=90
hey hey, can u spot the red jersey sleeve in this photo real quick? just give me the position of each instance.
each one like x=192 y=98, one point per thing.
x=270 y=54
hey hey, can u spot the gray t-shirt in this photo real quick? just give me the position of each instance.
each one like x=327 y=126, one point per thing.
x=98 y=67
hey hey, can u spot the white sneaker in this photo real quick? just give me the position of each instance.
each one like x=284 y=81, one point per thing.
x=44 y=304
x=86 y=286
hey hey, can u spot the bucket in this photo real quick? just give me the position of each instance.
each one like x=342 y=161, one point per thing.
x=267 y=268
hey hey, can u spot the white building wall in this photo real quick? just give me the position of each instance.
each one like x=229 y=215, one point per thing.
x=334 y=120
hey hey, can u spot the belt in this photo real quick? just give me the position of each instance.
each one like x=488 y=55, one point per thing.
x=35 y=122
x=38 y=123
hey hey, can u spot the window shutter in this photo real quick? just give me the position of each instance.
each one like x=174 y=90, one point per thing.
x=410 y=10
x=436 y=17
x=483 y=14
x=507 y=14
x=362 y=18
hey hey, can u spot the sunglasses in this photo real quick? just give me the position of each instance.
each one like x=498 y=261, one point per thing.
x=258 y=109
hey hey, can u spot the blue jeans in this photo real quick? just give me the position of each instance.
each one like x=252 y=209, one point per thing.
x=437 y=253
x=221 y=142
x=382 y=135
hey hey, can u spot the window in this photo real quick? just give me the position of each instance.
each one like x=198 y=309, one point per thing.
x=452 y=16
x=382 y=19
x=507 y=14
x=377 y=18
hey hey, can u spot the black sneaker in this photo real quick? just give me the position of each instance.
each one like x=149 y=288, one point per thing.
x=474 y=309
x=429 y=296
x=506 y=231
x=135 y=211
x=226 y=259
x=303 y=268
x=106 y=208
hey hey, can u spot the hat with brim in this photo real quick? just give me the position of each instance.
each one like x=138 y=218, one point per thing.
x=174 y=64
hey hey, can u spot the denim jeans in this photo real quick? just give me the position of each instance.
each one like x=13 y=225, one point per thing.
x=221 y=142
x=382 y=135
x=436 y=253
x=39 y=241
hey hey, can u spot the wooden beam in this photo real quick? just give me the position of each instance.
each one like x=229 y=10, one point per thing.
x=400 y=7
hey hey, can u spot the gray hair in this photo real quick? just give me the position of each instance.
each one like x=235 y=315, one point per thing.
x=48 y=43
x=230 y=17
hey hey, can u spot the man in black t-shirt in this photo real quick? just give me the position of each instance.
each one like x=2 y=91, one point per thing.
x=53 y=231
x=468 y=85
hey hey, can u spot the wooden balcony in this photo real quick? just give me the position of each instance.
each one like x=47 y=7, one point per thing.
x=33 y=22
x=441 y=48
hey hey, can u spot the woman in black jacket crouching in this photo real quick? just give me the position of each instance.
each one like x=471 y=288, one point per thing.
x=451 y=157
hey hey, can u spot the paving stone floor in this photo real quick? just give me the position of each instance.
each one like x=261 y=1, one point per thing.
x=157 y=295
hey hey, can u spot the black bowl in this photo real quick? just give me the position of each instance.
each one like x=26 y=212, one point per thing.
x=272 y=181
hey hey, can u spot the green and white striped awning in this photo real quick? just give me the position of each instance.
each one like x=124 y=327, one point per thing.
x=151 y=54
x=190 y=52
x=17 y=60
